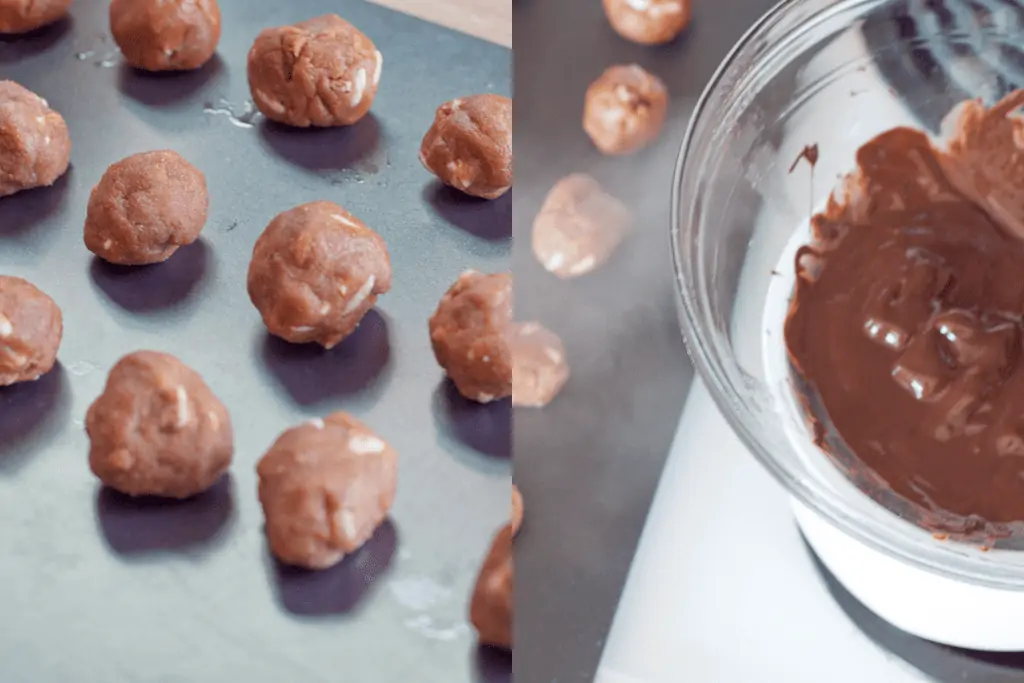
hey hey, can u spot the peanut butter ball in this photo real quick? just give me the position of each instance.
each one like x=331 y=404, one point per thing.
x=158 y=430
x=325 y=487
x=31 y=329
x=648 y=22
x=469 y=146
x=323 y=72
x=315 y=272
x=469 y=335
x=166 y=35
x=145 y=208
x=491 y=608
x=23 y=16
x=625 y=110
x=579 y=227
x=35 y=147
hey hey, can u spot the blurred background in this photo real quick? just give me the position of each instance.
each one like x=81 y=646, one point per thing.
x=588 y=464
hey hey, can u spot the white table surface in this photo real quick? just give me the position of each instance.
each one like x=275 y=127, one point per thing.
x=723 y=589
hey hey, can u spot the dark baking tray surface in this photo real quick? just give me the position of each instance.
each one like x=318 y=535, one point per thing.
x=95 y=589
x=588 y=464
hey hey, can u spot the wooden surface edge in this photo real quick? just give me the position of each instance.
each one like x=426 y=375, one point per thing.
x=487 y=19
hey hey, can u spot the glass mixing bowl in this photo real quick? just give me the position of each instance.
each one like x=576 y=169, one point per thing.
x=831 y=74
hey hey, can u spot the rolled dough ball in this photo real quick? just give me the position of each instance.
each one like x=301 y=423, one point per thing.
x=469 y=335
x=469 y=146
x=22 y=16
x=158 y=430
x=322 y=72
x=539 y=368
x=648 y=22
x=491 y=608
x=35 y=147
x=166 y=35
x=315 y=272
x=146 y=207
x=325 y=487
x=517 y=510
x=31 y=328
x=625 y=109
x=579 y=227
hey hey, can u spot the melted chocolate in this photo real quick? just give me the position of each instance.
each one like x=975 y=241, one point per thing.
x=905 y=329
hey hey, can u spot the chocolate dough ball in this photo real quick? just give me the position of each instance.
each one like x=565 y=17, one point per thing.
x=490 y=610
x=34 y=143
x=625 y=110
x=648 y=22
x=469 y=335
x=31 y=328
x=146 y=207
x=517 y=509
x=22 y=16
x=315 y=272
x=469 y=147
x=166 y=35
x=322 y=72
x=158 y=430
x=325 y=487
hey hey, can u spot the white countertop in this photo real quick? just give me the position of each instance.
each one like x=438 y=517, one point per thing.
x=723 y=589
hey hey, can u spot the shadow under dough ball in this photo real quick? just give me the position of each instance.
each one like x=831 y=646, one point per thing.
x=22 y=16
x=315 y=272
x=158 y=430
x=491 y=608
x=469 y=334
x=325 y=487
x=625 y=109
x=145 y=208
x=31 y=328
x=323 y=72
x=648 y=22
x=35 y=147
x=469 y=145
x=166 y=35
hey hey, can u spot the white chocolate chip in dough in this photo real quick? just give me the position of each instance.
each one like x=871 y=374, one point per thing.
x=378 y=67
x=17 y=360
x=183 y=409
x=584 y=265
x=344 y=220
x=269 y=102
x=6 y=328
x=360 y=296
x=358 y=88
x=348 y=524
x=555 y=261
x=365 y=444
x=316 y=422
x=539 y=368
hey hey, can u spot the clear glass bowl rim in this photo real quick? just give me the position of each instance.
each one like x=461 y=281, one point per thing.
x=921 y=552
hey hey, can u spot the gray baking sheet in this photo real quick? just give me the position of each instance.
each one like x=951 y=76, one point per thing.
x=95 y=588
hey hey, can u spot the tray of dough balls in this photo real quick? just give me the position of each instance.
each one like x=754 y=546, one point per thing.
x=254 y=371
